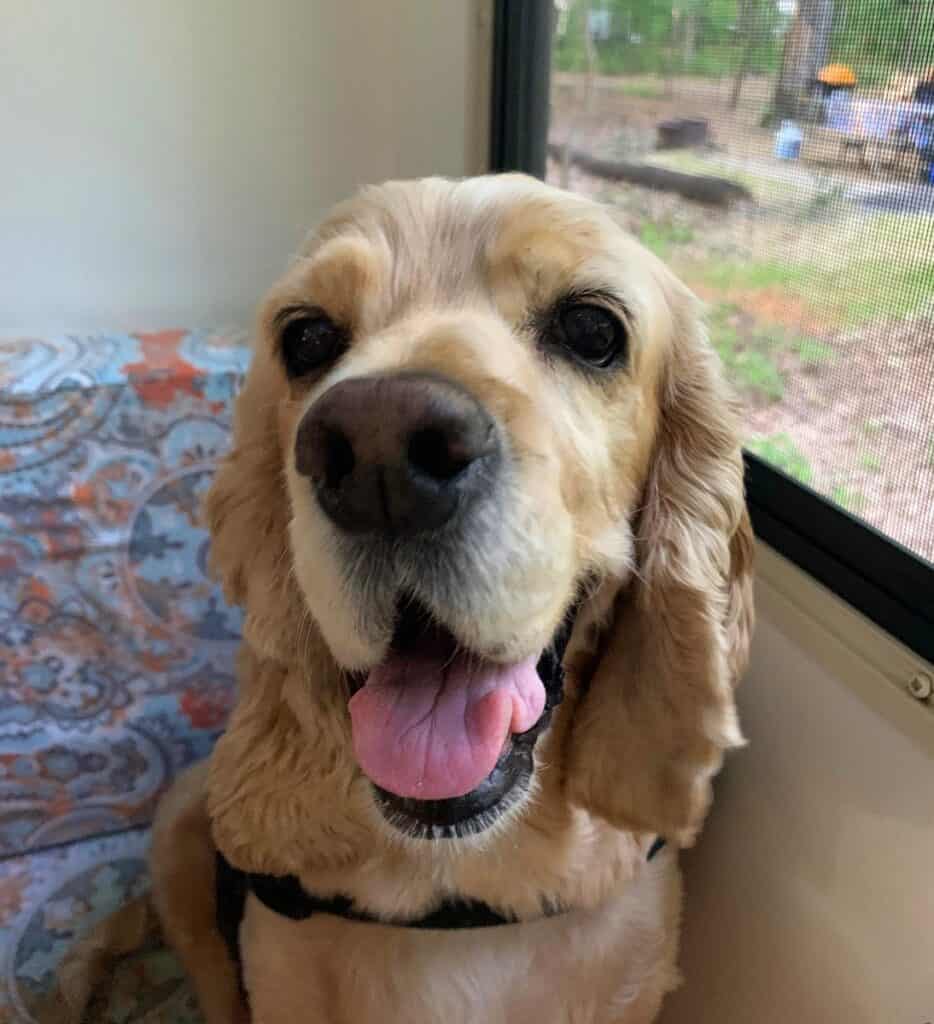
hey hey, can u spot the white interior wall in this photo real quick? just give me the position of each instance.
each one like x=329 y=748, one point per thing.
x=160 y=161
x=810 y=895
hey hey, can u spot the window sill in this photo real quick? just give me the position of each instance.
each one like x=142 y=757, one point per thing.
x=846 y=644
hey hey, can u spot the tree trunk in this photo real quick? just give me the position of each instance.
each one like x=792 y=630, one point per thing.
x=689 y=39
x=583 y=111
x=748 y=30
x=807 y=44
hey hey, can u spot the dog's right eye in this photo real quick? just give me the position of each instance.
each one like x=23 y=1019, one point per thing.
x=591 y=333
x=309 y=342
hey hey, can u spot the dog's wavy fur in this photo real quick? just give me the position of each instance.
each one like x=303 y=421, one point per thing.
x=632 y=483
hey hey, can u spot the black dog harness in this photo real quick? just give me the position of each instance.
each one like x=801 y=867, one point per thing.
x=284 y=895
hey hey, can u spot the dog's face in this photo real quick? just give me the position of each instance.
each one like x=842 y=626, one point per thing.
x=490 y=409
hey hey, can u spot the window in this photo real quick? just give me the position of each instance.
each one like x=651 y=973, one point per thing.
x=779 y=155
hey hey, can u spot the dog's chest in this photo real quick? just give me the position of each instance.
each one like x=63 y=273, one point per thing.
x=583 y=967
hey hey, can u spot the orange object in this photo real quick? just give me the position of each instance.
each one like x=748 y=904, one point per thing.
x=836 y=74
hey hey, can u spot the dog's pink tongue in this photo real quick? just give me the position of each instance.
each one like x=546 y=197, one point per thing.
x=433 y=727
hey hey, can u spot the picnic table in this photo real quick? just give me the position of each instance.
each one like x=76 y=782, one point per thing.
x=877 y=130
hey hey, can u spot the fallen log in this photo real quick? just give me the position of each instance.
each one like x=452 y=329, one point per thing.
x=701 y=188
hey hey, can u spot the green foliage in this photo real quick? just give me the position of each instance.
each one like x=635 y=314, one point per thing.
x=781 y=452
x=891 y=269
x=870 y=461
x=861 y=271
x=725 y=274
x=756 y=372
x=662 y=236
x=852 y=501
x=751 y=352
x=651 y=36
x=872 y=427
x=878 y=37
x=747 y=359
x=812 y=352
x=885 y=287
x=875 y=37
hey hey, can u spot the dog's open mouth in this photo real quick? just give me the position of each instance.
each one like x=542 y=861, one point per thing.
x=444 y=734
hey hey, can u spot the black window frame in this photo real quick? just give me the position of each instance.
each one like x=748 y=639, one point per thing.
x=880 y=578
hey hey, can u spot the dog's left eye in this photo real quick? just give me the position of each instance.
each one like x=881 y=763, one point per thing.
x=309 y=342
x=592 y=333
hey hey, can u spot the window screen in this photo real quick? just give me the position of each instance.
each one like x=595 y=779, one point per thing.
x=779 y=155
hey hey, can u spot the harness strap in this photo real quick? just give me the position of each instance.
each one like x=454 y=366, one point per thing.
x=656 y=847
x=284 y=895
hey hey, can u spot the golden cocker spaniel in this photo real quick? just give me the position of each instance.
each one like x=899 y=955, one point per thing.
x=484 y=514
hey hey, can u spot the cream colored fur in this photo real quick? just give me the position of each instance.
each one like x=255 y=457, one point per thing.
x=632 y=482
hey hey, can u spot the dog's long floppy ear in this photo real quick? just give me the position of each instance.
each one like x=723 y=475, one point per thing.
x=659 y=713
x=247 y=511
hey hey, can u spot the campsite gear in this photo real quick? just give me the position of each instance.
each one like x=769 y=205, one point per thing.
x=788 y=141
x=838 y=110
x=837 y=75
x=681 y=133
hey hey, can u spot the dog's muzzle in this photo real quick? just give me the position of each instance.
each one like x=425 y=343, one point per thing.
x=397 y=454
x=407 y=467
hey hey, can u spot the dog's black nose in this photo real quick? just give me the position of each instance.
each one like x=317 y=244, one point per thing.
x=397 y=453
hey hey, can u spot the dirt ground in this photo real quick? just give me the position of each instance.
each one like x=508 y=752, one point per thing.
x=822 y=310
x=622 y=112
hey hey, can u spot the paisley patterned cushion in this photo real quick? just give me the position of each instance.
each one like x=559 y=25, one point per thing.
x=116 y=650
x=49 y=899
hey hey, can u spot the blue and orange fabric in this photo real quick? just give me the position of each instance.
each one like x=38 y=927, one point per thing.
x=116 y=649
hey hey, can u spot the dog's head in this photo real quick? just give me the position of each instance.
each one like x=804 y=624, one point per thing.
x=482 y=418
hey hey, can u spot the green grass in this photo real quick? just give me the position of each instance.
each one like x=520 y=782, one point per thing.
x=752 y=353
x=749 y=275
x=748 y=360
x=858 y=268
x=757 y=373
x=852 y=501
x=872 y=427
x=781 y=452
x=889 y=288
x=824 y=201
x=868 y=268
x=870 y=461
x=859 y=291
x=812 y=352
x=663 y=236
